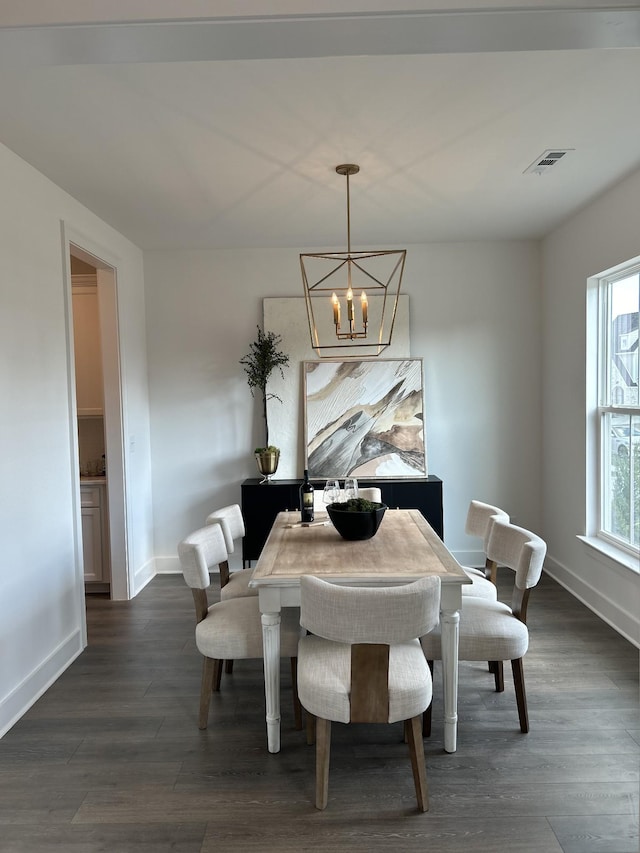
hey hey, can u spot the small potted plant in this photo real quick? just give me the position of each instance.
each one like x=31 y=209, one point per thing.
x=259 y=363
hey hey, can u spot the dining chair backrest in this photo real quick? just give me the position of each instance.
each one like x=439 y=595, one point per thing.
x=480 y=517
x=371 y=493
x=354 y=615
x=521 y=551
x=232 y=523
x=201 y=551
x=318 y=501
x=518 y=549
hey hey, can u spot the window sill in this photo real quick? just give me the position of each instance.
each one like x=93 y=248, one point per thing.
x=608 y=554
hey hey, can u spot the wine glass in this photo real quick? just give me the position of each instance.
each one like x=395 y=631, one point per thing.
x=331 y=492
x=350 y=488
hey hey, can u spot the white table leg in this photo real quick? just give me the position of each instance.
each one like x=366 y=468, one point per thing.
x=450 y=603
x=271 y=644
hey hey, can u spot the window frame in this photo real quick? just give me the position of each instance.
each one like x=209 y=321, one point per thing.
x=605 y=408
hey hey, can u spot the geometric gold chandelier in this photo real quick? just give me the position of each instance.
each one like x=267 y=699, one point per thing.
x=351 y=297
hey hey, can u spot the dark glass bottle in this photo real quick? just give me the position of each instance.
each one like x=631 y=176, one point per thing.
x=306 y=499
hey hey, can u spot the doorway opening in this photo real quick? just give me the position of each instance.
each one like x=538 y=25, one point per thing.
x=100 y=462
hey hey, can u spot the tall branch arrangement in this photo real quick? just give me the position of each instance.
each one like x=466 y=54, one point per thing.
x=259 y=363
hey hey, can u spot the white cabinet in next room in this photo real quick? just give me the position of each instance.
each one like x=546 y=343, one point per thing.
x=93 y=509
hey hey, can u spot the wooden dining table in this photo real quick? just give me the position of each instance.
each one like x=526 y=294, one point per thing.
x=404 y=549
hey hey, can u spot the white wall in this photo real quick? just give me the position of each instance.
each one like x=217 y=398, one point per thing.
x=41 y=589
x=475 y=319
x=601 y=236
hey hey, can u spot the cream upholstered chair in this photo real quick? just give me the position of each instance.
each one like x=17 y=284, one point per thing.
x=372 y=493
x=234 y=584
x=362 y=663
x=230 y=629
x=319 y=506
x=480 y=517
x=490 y=630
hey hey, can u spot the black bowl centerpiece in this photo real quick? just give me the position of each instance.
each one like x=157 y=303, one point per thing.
x=357 y=518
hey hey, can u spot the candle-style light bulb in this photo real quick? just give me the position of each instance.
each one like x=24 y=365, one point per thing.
x=365 y=308
x=336 y=310
x=350 y=305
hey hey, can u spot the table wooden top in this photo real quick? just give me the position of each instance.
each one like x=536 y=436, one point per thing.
x=404 y=549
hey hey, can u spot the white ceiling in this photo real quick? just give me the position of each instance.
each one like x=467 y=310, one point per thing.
x=177 y=149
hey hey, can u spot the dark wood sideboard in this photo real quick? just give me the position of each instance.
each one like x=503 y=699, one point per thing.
x=261 y=504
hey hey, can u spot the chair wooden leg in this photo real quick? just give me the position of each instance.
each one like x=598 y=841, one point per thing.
x=323 y=751
x=208 y=672
x=498 y=675
x=228 y=667
x=311 y=728
x=217 y=677
x=416 y=751
x=521 y=695
x=297 y=707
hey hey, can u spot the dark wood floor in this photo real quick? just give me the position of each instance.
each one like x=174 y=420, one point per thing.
x=111 y=759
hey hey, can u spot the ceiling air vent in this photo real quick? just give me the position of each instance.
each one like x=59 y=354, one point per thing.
x=546 y=161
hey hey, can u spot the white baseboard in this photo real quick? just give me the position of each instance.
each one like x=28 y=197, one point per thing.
x=142 y=576
x=167 y=566
x=21 y=698
x=473 y=559
x=625 y=623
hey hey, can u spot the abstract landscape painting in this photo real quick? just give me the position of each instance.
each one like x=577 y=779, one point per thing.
x=364 y=418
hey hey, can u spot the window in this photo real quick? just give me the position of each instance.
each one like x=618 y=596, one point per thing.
x=619 y=410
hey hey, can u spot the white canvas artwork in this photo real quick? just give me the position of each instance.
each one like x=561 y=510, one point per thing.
x=364 y=418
